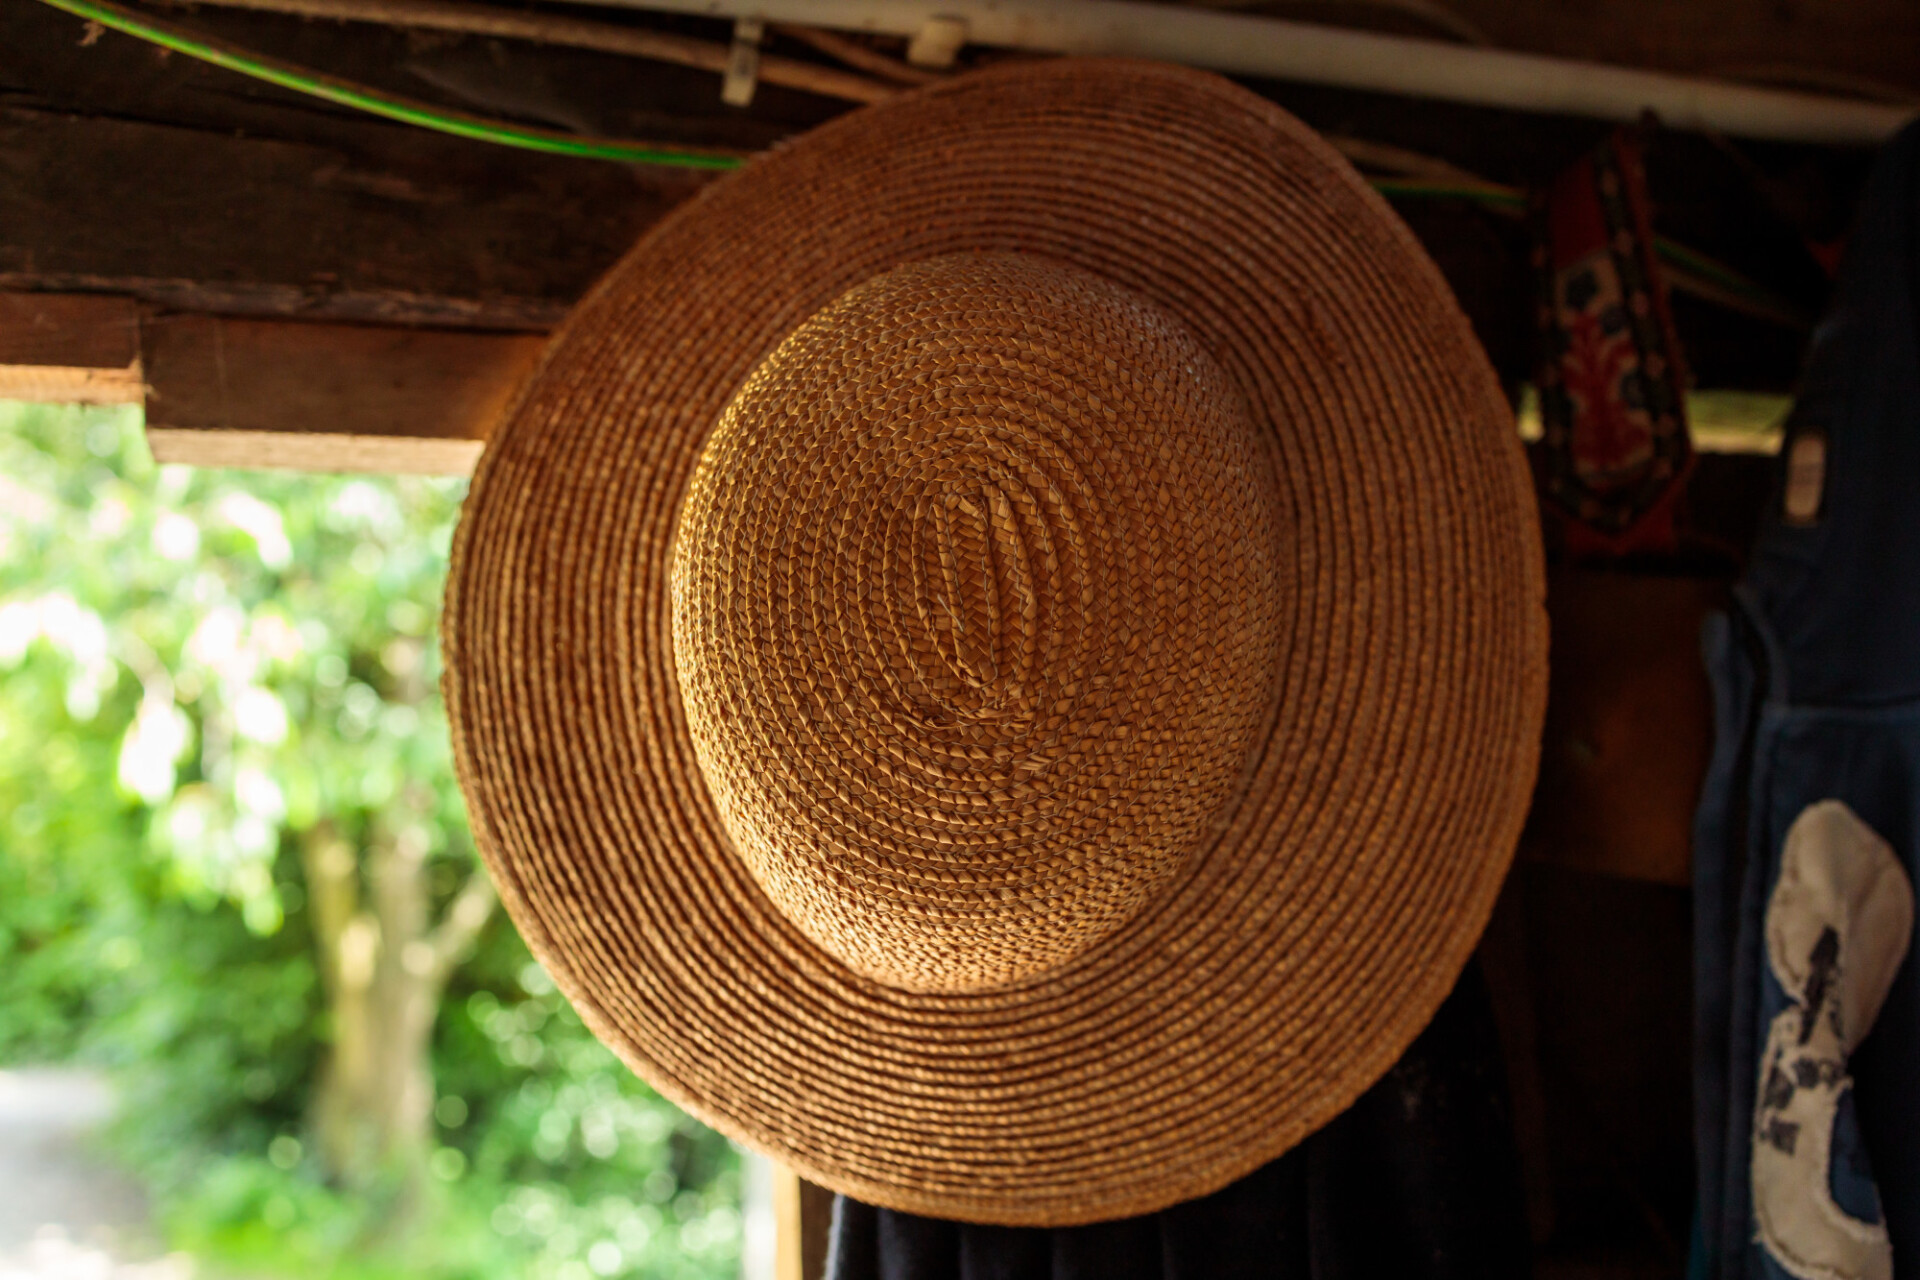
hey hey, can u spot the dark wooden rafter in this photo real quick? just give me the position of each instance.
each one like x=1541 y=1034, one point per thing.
x=1861 y=46
x=187 y=218
x=224 y=391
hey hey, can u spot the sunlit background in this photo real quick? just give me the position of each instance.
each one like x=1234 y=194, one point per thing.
x=260 y=1013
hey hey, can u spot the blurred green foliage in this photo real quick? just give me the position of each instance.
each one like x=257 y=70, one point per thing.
x=196 y=667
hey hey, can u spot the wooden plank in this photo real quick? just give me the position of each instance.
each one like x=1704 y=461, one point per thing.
x=1836 y=46
x=816 y=1226
x=788 y=1255
x=194 y=220
x=802 y=1221
x=74 y=349
x=1629 y=725
x=296 y=451
x=271 y=393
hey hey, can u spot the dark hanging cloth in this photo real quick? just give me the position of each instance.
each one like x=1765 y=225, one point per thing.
x=1418 y=1180
x=1807 y=1006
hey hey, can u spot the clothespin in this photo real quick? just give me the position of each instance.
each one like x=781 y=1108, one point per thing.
x=938 y=43
x=743 y=63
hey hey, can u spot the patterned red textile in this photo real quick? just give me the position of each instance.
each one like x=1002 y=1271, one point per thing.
x=1616 y=453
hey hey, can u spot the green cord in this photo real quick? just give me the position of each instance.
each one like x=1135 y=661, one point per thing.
x=381 y=104
x=1727 y=278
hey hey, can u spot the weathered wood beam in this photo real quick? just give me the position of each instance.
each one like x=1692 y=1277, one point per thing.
x=195 y=220
x=69 y=349
x=1850 y=45
x=232 y=391
x=326 y=397
x=803 y=1219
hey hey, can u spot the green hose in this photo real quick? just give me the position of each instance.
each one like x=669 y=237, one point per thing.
x=388 y=105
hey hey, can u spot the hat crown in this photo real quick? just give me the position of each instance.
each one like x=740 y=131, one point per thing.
x=972 y=571
x=976 y=616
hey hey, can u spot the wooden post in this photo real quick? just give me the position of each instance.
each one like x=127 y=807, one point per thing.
x=802 y=1218
x=1629 y=725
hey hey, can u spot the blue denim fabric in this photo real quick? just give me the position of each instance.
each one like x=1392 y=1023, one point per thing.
x=1816 y=674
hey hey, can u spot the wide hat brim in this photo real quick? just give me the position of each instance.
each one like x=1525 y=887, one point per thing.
x=1331 y=907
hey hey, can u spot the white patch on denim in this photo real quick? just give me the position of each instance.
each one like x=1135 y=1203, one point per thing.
x=1806 y=487
x=1837 y=929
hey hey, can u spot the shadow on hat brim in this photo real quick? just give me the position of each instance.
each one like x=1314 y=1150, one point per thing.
x=1312 y=934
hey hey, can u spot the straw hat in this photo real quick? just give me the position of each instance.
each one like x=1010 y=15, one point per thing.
x=1000 y=657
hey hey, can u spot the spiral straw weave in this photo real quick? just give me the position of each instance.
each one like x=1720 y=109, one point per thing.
x=1000 y=658
x=966 y=666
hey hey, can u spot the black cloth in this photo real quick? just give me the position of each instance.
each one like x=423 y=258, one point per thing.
x=1418 y=1180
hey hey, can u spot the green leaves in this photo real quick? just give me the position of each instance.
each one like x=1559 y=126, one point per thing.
x=198 y=668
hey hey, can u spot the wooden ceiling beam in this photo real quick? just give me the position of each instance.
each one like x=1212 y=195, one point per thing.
x=70 y=349
x=228 y=392
x=391 y=232
x=225 y=391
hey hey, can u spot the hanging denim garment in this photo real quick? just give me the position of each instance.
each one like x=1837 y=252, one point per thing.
x=1807 y=1009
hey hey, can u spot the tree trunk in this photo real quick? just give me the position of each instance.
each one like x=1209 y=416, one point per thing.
x=385 y=963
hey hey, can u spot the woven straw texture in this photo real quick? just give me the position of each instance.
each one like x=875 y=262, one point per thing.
x=967 y=667
x=1000 y=658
